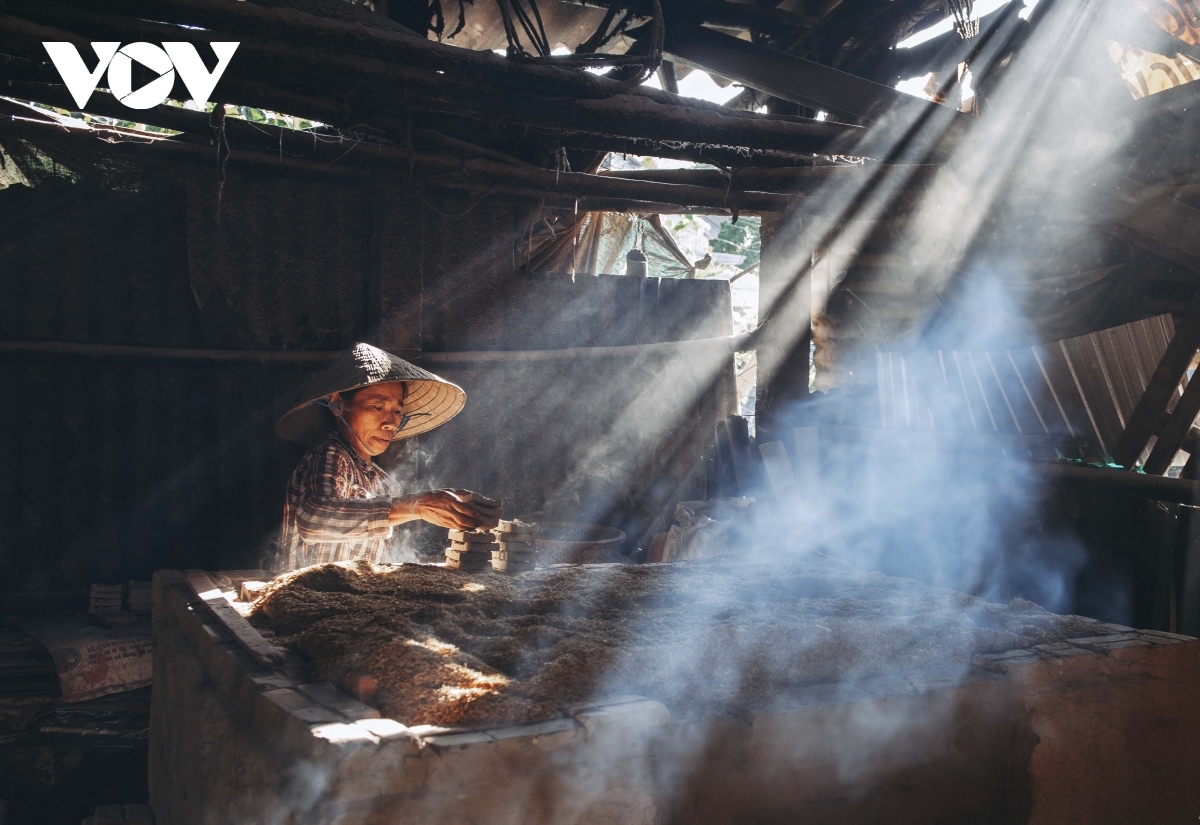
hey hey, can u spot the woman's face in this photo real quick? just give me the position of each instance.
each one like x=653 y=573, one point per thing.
x=373 y=416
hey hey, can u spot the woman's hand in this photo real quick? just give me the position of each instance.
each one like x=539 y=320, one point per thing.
x=445 y=508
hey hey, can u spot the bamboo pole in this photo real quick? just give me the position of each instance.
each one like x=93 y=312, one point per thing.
x=475 y=174
x=386 y=93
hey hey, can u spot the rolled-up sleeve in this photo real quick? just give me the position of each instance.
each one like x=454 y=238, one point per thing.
x=329 y=513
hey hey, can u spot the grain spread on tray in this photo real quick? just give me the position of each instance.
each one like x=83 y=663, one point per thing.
x=458 y=648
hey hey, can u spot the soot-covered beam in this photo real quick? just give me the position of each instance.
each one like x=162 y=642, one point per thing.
x=786 y=76
x=471 y=173
x=390 y=88
x=760 y=19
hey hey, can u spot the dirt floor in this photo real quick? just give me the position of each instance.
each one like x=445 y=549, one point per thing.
x=455 y=648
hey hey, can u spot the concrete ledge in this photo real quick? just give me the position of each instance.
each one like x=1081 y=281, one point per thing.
x=257 y=744
x=1098 y=729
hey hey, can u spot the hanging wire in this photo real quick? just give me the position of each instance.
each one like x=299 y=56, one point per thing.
x=963 y=13
x=605 y=31
x=439 y=19
x=534 y=28
x=462 y=18
x=514 y=13
x=515 y=49
x=537 y=34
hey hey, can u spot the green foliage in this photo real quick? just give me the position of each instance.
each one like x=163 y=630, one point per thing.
x=257 y=115
x=741 y=238
x=678 y=224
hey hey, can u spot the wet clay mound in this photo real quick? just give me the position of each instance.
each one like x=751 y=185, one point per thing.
x=454 y=648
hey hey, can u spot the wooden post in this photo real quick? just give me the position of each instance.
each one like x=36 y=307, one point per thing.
x=1147 y=415
x=1171 y=439
x=785 y=321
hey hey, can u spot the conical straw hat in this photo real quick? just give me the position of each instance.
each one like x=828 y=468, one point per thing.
x=429 y=401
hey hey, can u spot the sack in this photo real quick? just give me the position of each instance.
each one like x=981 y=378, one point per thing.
x=94 y=661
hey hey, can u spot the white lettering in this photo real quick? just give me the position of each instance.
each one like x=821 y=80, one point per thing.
x=198 y=80
x=120 y=76
x=80 y=82
x=118 y=61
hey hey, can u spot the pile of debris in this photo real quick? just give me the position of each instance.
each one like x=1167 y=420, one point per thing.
x=445 y=646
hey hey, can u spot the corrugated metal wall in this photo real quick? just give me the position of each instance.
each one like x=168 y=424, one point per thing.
x=1083 y=388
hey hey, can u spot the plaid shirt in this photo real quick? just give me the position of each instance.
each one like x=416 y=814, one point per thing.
x=336 y=508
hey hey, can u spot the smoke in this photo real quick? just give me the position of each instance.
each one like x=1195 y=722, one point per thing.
x=946 y=508
x=302 y=795
x=1044 y=147
x=920 y=508
x=912 y=506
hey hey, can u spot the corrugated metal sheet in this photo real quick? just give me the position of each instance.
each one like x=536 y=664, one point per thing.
x=1083 y=388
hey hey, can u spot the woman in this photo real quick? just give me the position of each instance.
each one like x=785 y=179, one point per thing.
x=340 y=504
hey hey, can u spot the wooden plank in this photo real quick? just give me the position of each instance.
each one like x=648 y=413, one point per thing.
x=302 y=706
x=1150 y=219
x=329 y=696
x=990 y=446
x=1144 y=422
x=241 y=630
x=789 y=77
x=1170 y=440
x=1112 y=349
x=1096 y=387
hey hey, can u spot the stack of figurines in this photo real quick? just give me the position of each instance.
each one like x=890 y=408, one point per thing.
x=105 y=598
x=472 y=550
x=517 y=547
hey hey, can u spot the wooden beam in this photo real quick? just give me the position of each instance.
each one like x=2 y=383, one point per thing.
x=945 y=52
x=719 y=347
x=1151 y=219
x=727 y=156
x=478 y=174
x=1147 y=415
x=48 y=135
x=991 y=448
x=562 y=200
x=412 y=79
x=28 y=85
x=796 y=179
x=1146 y=216
x=731 y=16
x=363 y=35
x=315 y=144
x=789 y=77
x=1155 y=488
x=1176 y=431
x=583 y=185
